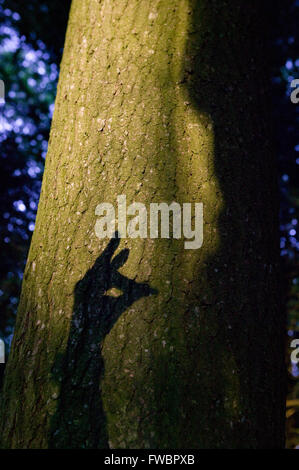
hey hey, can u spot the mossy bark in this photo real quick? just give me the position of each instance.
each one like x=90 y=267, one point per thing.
x=161 y=101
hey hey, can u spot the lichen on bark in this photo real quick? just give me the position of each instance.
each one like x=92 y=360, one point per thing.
x=159 y=101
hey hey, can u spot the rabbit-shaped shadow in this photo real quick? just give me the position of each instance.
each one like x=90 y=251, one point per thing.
x=79 y=421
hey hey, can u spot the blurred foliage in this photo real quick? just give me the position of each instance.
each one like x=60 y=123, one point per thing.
x=285 y=70
x=42 y=21
x=24 y=130
x=31 y=40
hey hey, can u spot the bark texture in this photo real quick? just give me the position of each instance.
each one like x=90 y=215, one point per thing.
x=161 y=101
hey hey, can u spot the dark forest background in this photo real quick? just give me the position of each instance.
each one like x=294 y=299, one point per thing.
x=31 y=41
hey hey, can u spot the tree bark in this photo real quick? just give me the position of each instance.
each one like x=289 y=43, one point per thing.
x=161 y=101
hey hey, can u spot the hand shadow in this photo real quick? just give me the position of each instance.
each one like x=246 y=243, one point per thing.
x=79 y=421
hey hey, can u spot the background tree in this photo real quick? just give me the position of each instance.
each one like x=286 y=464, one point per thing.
x=193 y=115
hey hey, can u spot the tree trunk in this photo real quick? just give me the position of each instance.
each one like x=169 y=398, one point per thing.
x=160 y=346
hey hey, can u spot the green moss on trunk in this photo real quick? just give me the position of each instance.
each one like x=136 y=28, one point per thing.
x=160 y=101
